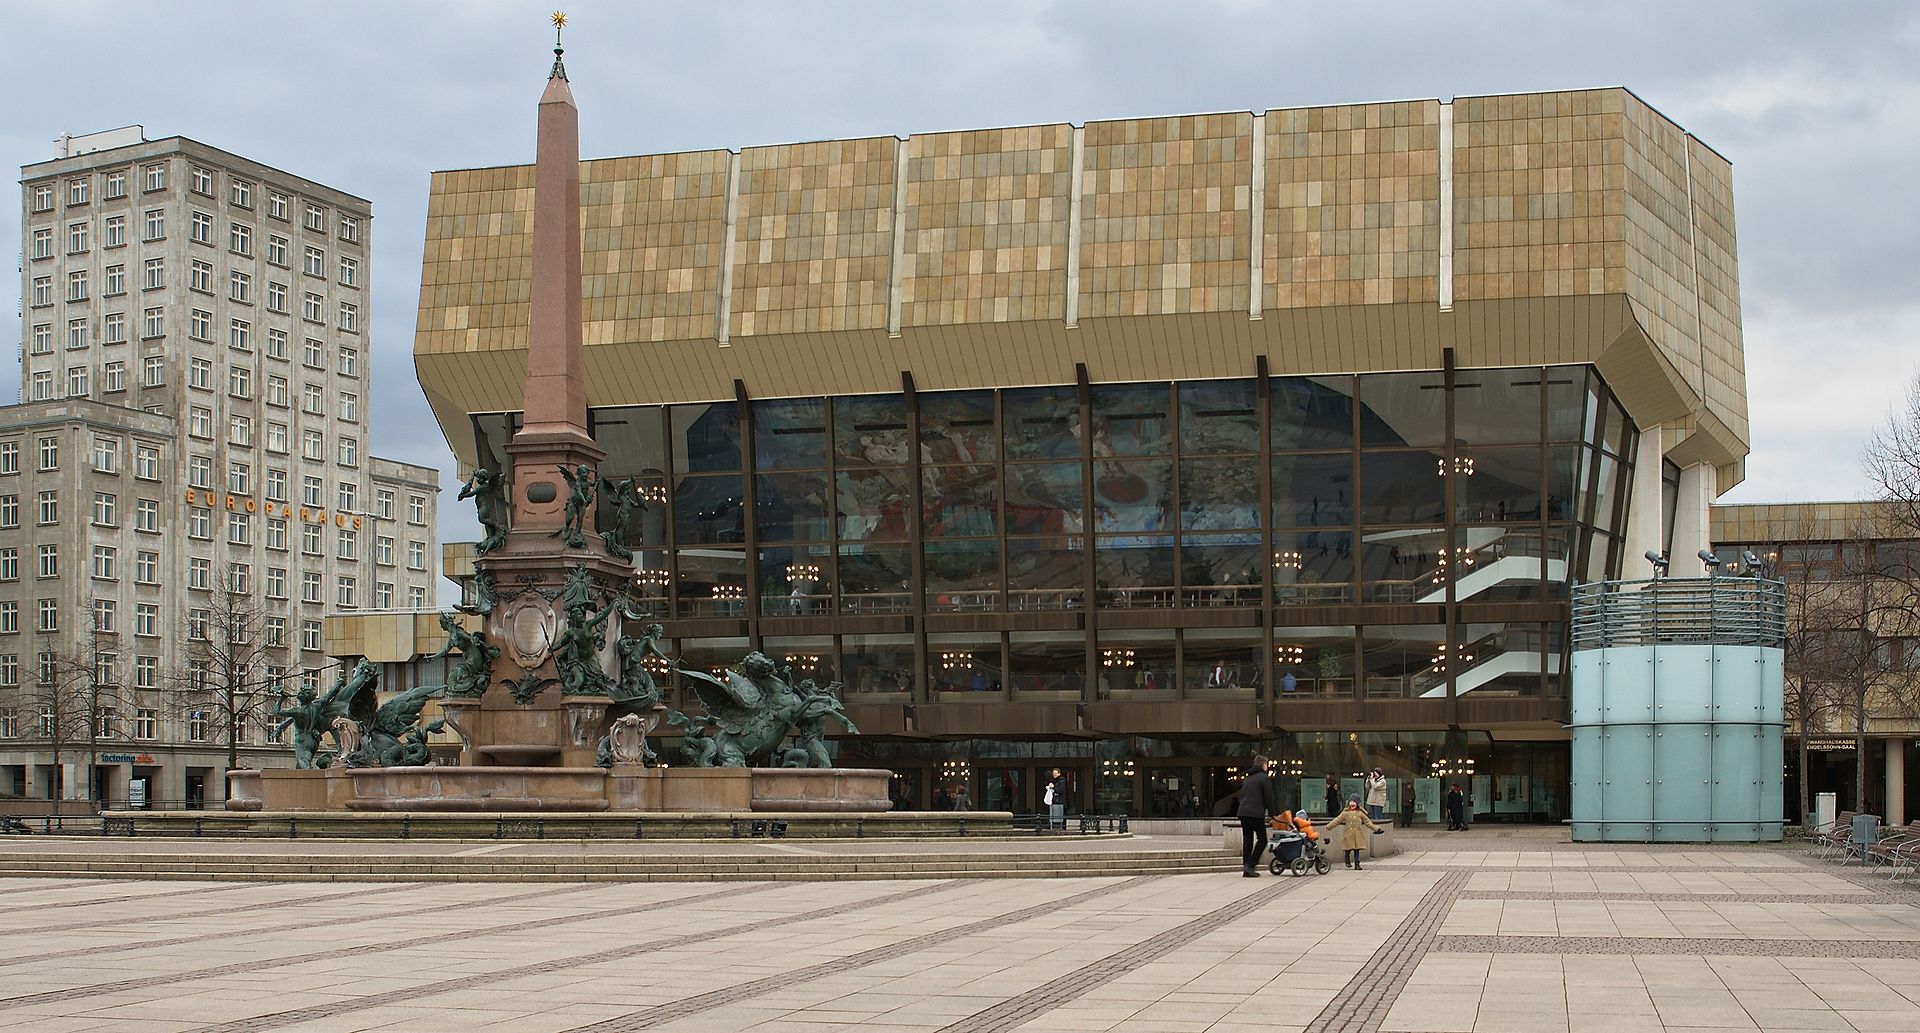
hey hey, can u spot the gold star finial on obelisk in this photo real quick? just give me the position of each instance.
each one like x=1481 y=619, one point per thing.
x=559 y=69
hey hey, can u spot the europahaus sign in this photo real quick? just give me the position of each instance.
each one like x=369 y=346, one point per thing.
x=247 y=504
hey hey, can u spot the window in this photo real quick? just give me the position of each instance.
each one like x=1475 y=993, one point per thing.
x=344 y=590
x=240 y=193
x=316 y=217
x=277 y=250
x=76 y=333
x=349 y=317
x=9 y=511
x=49 y=507
x=79 y=191
x=276 y=587
x=200 y=276
x=240 y=430
x=116 y=280
x=41 y=342
x=200 y=325
x=197 y=631
x=313 y=354
x=276 y=297
x=310 y=539
x=146 y=720
x=276 y=488
x=146 y=515
x=240 y=335
x=10 y=618
x=10 y=678
x=349 y=406
x=49 y=615
x=153 y=274
x=310 y=635
x=114 y=329
x=106 y=454
x=43 y=198
x=106 y=509
x=416 y=554
x=349 y=451
x=313 y=445
x=240 y=287
x=42 y=246
x=349 y=495
x=10 y=563
x=154 y=370
x=146 y=619
x=200 y=373
x=200 y=422
x=313 y=308
x=9 y=457
x=277 y=533
x=416 y=509
x=154 y=225
x=383 y=595
x=49 y=561
x=199 y=568
x=77 y=237
x=312 y=400
x=115 y=184
x=109 y=716
x=314 y=261
x=49 y=454
x=277 y=438
x=201 y=231
x=202 y=181
x=310 y=488
x=115 y=232
x=275 y=631
x=77 y=382
x=277 y=391
x=239 y=477
x=349 y=272
x=146 y=462
x=41 y=387
x=103 y=564
x=240 y=239
x=309 y=586
x=276 y=344
x=197 y=719
x=199 y=523
x=77 y=285
x=276 y=204
x=346 y=544
x=42 y=291
x=239 y=529
x=240 y=382
x=350 y=228
x=199 y=472
x=383 y=550
x=239 y=582
x=383 y=503
x=113 y=376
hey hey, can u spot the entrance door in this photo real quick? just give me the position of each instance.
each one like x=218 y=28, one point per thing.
x=196 y=791
x=1004 y=789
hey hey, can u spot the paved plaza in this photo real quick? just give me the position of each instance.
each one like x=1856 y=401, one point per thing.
x=1501 y=932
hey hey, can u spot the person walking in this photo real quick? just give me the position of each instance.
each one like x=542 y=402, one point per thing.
x=1257 y=801
x=1354 y=827
x=1056 y=798
x=1376 y=794
x=1333 y=796
x=1406 y=803
x=1456 y=809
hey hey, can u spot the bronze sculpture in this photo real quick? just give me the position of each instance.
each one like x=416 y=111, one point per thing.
x=752 y=708
x=487 y=489
x=576 y=653
x=579 y=501
x=468 y=678
x=624 y=494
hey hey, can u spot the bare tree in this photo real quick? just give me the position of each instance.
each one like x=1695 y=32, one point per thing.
x=73 y=695
x=236 y=659
x=1892 y=459
x=1811 y=702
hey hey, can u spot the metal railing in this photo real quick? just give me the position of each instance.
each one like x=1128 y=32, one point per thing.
x=1728 y=611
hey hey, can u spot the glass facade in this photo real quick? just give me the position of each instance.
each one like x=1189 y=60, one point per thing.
x=1299 y=538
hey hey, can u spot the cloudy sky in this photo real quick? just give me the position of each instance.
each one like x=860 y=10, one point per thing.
x=1818 y=106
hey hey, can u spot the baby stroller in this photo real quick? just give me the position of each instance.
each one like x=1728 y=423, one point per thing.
x=1295 y=853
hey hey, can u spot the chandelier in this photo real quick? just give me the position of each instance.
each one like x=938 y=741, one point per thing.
x=1287 y=559
x=1116 y=657
x=955 y=661
x=1462 y=465
x=1284 y=655
x=803 y=572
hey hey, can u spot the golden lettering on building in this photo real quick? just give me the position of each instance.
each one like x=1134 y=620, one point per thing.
x=235 y=503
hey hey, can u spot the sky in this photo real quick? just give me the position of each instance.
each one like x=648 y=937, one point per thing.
x=1817 y=106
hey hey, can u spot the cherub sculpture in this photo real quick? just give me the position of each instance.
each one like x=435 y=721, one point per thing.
x=487 y=489
x=579 y=503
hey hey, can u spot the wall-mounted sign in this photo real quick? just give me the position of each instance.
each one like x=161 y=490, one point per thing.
x=245 y=504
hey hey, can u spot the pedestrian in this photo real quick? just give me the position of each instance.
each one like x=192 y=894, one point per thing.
x=1333 y=796
x=1257 y=801
x=1354 y=826
x=1456 y=809
x=1376 y=795
x=1406 y=803
x=960 y=801
x=1056 y=798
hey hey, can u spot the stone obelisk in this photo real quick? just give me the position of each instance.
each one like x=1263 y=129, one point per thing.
x=555 y=580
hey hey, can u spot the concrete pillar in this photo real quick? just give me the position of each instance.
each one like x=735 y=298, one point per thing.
x=1896 y=794
x=1645 y=511
x=1691 y=530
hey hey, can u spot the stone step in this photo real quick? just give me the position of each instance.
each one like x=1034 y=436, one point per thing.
x=431 y=870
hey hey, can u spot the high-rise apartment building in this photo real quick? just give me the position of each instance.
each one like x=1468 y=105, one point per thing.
x=185 y=488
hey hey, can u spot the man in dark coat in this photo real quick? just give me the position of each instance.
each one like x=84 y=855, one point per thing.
x=1257 y=801
x=1456 y=809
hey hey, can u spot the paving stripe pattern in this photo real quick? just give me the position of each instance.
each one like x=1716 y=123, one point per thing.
x=288 y=927
x=1024 y=1007
x=447 y=986
x=1362 y=1005
x=165 y=895
x=370 y=948
x=365 y=891
x=1729 y=897
x=1672 y=945
x=650 y=1017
